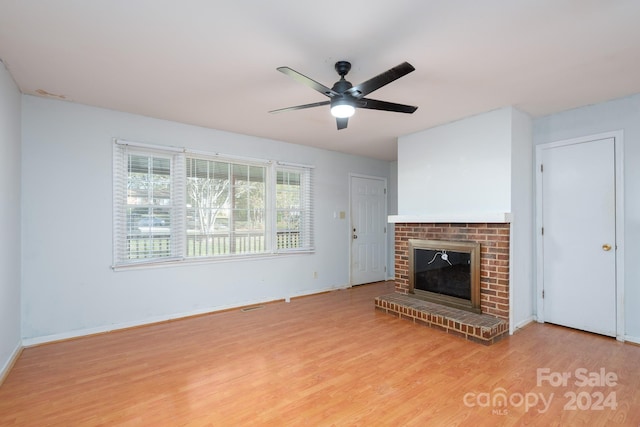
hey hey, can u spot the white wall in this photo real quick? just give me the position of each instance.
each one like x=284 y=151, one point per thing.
x=477 y=165
x=460 y=167
x=618 y=114
x=392 y=209
x=522 y=224
x=10 y=244
x=68 y=286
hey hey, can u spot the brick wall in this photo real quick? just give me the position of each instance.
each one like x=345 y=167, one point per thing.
x=494 y=258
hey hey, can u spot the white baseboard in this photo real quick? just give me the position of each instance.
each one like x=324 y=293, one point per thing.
x=9 y=364
x=30 y=342
x=525 y=322
x=319 y=291
x=635 y=340
x=522 y=324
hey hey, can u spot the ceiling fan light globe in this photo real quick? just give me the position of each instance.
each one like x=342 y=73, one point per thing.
x=342 y=111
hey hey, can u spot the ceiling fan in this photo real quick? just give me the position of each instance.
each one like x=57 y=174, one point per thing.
x=345 y=98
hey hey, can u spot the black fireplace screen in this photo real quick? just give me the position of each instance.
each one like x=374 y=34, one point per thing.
x=443 y=272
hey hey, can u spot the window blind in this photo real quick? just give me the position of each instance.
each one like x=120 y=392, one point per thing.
x=148 y=197
x=172 y=204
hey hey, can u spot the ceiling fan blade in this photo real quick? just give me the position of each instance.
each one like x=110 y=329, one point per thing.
x=374 y=104
x=365 y=88
x=308 y=82
x=342 y=123
x=301 y=107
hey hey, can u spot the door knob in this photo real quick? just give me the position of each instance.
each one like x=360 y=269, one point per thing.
x=606 y=247
x=355 y=236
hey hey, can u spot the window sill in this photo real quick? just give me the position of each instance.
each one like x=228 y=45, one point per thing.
x=176 y=262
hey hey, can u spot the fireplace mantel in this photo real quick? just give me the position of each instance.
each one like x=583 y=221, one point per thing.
x=488 y=217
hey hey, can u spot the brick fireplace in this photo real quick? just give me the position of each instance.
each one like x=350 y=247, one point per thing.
x=492 y=323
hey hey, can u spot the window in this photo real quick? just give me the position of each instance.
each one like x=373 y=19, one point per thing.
x=226 y=204
x=293 y=208
x=171 y=204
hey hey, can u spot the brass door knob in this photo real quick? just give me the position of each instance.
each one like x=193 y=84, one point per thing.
x=606 y=247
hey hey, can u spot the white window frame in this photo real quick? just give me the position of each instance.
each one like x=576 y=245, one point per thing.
x=307 y=217
x=178 y=179
x=233 y=162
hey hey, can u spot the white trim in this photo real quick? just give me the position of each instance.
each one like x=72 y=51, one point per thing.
x=490 y=217
x=222 y=157
x=619 y=158
x=629 y=338
x=176 y=262
x=618 y=137
x=30 y=342
x=295 y=165
x=6 y=369
x=522 y=324
x=148 y=146
x=539 y=253
x=512 y=327
x=211 y=154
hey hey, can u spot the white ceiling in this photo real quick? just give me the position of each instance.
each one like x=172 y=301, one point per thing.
x=213 y=63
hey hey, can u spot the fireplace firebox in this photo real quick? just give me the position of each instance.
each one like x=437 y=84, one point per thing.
x=445 y=272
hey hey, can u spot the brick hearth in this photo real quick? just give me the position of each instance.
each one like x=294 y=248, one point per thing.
x=479 y=328
x=494 y=280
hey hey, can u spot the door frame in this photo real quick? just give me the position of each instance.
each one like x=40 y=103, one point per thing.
x=618 y=138
x=385 y=216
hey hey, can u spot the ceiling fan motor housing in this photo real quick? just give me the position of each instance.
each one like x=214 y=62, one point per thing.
x=343 y=67
x=341 y=86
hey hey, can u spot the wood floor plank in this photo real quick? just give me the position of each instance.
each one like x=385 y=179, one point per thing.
x=328 y=359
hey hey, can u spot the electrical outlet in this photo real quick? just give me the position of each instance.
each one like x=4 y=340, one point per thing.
x=315 y=274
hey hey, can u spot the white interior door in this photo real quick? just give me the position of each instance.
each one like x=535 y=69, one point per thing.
x=368 y=230
x=579 y=233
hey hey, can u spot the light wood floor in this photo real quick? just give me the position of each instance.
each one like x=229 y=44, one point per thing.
x=329 y=359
